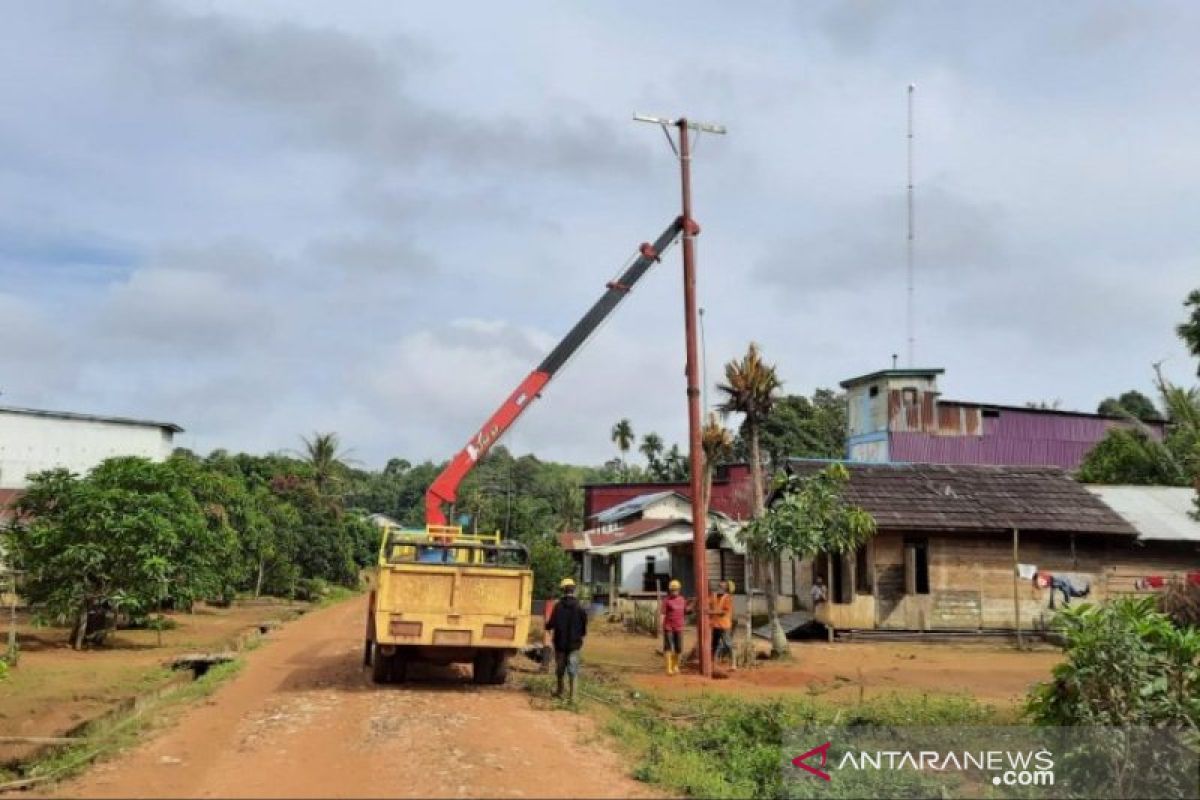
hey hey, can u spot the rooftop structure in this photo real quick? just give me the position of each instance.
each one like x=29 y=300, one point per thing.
x=898 y=415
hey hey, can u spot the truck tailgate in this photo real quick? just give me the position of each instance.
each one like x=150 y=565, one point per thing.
x=415 y=588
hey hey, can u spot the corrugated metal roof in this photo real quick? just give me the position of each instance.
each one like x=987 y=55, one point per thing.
x=629 y=507
x=973 y=497
x=595 y=537
x=37 y=412
x=1051 y=412
x=1159 y=513
x=664 y=538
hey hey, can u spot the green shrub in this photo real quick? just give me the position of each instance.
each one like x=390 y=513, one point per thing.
x=311 y=590
x=1181 y=601
x=149 y=622
x=724 y=746
x=644 y=618
x=1126 y=663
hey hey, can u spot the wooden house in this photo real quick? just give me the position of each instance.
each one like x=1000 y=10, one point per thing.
x=974 y=548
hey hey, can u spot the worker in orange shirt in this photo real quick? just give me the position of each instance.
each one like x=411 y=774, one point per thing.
x=720 y=616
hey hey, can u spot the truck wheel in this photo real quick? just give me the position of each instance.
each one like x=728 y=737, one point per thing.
x=399 y=672
x=482 y=667
x=381 y=667
x=499 y=668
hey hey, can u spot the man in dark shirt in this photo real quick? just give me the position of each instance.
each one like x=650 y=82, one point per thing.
x=567 y=627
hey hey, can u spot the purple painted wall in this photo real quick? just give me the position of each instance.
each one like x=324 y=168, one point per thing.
x=1014 y=438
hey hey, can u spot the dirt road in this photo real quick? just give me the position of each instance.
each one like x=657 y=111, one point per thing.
x=304 y=720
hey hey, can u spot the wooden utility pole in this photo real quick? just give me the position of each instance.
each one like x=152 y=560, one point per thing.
x=692 y=369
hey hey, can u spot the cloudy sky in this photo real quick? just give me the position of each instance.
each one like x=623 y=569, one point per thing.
x=263 y=219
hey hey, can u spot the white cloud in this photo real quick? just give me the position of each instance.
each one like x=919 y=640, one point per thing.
x=304 y=216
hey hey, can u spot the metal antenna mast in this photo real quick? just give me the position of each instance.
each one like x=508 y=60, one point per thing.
x=699 y=512
x=910 y=310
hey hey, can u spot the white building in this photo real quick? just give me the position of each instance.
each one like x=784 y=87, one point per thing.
x=637 y=546
x=32 y=441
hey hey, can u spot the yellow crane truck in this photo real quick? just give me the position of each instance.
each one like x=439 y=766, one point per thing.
x=446 y=597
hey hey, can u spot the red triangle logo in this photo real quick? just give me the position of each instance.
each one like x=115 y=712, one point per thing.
x=823 y=751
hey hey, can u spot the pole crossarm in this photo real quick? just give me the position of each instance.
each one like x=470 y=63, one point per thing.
x=704 y=127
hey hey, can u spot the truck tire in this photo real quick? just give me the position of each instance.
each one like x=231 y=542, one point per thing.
x=482 y=667
x=499 y=668
x=381 y=667
x=490 y=668
x=399 y=670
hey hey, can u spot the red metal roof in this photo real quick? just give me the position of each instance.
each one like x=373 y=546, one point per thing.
x=731 y=493
x=587 y=540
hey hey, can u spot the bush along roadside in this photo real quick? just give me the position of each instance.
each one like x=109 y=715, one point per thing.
x=725 y=746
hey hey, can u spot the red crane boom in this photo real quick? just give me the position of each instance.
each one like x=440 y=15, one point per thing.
x=444 y=489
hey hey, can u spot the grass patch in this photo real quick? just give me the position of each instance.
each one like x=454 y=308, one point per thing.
x=336 y=593
x=719 y=745
x=110 y=735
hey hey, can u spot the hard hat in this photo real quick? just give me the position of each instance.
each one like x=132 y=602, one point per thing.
x=566 y=583
x=674 y=585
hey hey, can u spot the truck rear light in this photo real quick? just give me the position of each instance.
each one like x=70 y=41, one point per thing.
x=499 y=631
x=407 y=630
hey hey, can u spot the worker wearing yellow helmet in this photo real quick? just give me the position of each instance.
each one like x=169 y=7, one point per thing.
x=567 y=627
x=672 y=614
x=720 y=614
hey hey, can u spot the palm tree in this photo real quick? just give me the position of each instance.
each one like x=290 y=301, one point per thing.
x=622 y=435
x=324 y=455
x=1189 y=331
x=1182 y=408
x=651 y=447
x=750 y=389
x=717 y=443
x=675 y=465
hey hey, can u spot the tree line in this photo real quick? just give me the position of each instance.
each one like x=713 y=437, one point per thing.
x=794 y=426
x=133 y=537
x=1135 y=454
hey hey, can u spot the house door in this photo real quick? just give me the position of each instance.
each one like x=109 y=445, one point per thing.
x=903 y=581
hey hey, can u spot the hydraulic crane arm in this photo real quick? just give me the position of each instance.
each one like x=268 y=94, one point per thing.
x=444 y=489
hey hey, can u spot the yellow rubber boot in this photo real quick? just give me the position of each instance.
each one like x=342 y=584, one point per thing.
x=669 y=657
x=674 y=663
